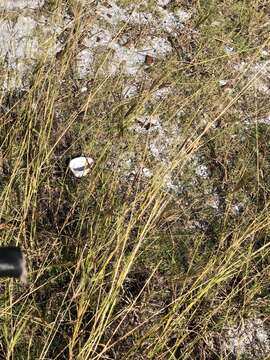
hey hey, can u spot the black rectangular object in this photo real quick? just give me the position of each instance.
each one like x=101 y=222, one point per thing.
x=11 y=262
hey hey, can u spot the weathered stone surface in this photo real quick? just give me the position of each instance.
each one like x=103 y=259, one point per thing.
x=24 y=39
x=20 y=4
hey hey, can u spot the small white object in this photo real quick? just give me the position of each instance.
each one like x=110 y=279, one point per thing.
x=228 y=50
x=223 y=82
x=84 y=89
x=81 y=166
x=264 y=53
x=147 y=172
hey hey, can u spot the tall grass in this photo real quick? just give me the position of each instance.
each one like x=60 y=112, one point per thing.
x=127 y=269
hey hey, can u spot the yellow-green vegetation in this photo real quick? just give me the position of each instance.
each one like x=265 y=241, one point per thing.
x=127 y=267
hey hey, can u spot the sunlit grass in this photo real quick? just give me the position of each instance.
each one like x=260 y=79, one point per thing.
x=127 y=269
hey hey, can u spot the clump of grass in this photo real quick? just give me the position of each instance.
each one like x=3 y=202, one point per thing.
x=129 y=269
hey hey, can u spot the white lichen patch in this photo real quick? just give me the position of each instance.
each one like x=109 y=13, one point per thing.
x=97 y=37
x=264 y=120
x=20 y=4
x=130 y=169
x=162 y=93
x=163 y=3
x=183 y=15
x=265 y=53
x=17 y=48
x=167 y=20
x=157 y=149
x=262 y=68
x=141 y=18
x=258 y=74
x=15 y=38
x=249 y=338
x=158 y=139
x=202 y=171
x=156 y=47
x=23 y=40
x=172 y=185
x=172 y=21
x=112 y=13
x=129 y=59
x=85 y=61
x=147 y=124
